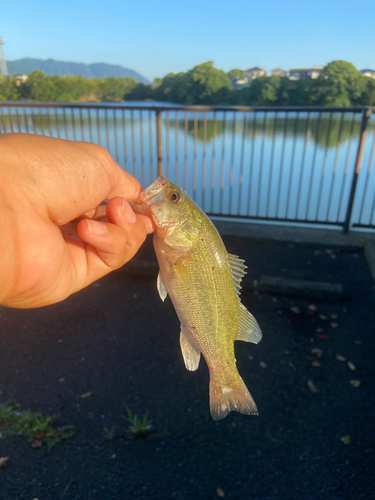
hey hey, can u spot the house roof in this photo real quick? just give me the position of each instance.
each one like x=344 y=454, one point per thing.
x=303 y=69
x=367 y=71
x=255 y=69
x=279 y=69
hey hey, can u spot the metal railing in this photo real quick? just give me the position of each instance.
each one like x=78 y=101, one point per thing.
x=310 y=165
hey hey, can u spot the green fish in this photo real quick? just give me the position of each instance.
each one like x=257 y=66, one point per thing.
x=203 y=282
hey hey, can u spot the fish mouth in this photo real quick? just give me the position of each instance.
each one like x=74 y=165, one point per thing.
x=149 y=196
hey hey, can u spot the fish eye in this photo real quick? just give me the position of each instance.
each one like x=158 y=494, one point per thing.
x=174 y=197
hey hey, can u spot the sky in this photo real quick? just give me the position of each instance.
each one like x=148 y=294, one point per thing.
x=159 y=37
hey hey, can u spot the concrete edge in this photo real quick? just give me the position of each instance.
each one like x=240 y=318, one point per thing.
x=369 y=250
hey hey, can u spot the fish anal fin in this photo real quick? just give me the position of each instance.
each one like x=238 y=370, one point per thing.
x=161 y=288
x=238 y=270
x=190 y=354
x=248 y=328
x=233 y=396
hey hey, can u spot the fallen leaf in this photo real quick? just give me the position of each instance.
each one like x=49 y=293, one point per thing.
x=319 y=330
x=328 y=250
x=250 y=357
x=333 y=316
x=333 y=256
x=334 y=325
x=274 y=299
x=316 y=252
x=321 y=316
x=312 y=387
x=292 y=365
x=36 y=444
x=3 y=461
x=322 y=336
x=220 y=492
x=346 y=439
x=312 y=307
x=351 y=366
x=340 y=358
x=316 y=364
x=39 y=435
x=316 y=352
x=296 y=310
x=86 y=395
x=355 y=383
x=263 y=364
x=358 y=342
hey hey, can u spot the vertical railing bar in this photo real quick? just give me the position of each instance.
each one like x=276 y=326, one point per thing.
x=261 y=162
x=167 y=143
x=98 y=127
x=18 y=119
x=323 y=166
x=115 y=134
x=231 y=168
x=313 y=162
x=108 y=146
x=3 y=119
x=271 y=163
x=41 y=120
x=176 y=147
x=251 y=161
x=57 y=124
x=142 y=149
x=25 y=117
x=213 y=158
x=150 y=145
x=367 y=178
x=73 y=124
x=222 y=166
x=33 y=119
x=90 y=123
x=335 y=164
x=186 y=151
x=159 y=142
x=281 y=164
x=292 y=164
x=244 y=125
x=357 y=167
x=346 y=165
x=195 y=155
x=65 y=123
x=10 y=119
x=302 y=164
x=134 y=164
x=49 y=121
x=81 y=123
x=204 y=190
x=124 y=139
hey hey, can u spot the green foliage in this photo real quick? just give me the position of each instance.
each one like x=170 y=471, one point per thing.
x=139 y=427
x=368 y=97
x=236 y=73
x=339 y=84
x=33 y=425
x=111 y=432
x=8 y=89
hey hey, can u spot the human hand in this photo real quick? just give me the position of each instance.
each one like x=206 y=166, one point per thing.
x=45 y=184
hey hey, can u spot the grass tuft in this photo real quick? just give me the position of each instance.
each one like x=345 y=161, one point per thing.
x=139 y=427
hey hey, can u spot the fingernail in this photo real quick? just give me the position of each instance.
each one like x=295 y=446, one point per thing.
x=128 y=213
x=97 y=228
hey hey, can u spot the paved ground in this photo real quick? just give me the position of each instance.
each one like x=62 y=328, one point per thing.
x=118 y=340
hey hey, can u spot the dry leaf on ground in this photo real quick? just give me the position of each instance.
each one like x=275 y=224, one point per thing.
x=316 y=352
x=322 y=336
x=220 y=492
x=340 y=358
x=263 y=364
x=312 y=307
x=355 y=383
x=312 y=386
x=334 y=325
x=351 y=366
x=346 y=439
x=3 y=461
x=296 y=310
x=86 y=395
x=316 y=364
x=36 y=444
x=321 y=316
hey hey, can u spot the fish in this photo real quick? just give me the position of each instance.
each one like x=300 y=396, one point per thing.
x=203 y=281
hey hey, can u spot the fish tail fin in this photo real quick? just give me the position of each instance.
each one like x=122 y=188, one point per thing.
x=225 y=397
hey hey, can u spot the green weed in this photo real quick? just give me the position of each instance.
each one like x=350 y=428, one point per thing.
x=35 y=426
x=139 y=427
x=111 y=432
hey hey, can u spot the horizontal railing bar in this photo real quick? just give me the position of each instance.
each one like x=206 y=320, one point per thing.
x=243 y=109
x=276 y=219
x=357 y=224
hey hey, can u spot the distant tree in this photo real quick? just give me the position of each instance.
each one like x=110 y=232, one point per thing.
x=140 y=92
x=237 y=74
x=339 y=84
x=8 y=89
x=114 y=89
x=368 y=96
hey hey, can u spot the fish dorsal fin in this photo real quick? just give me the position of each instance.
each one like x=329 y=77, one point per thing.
x=248 y=328
x=161 y=288
x=238 y=267
x=190 y=354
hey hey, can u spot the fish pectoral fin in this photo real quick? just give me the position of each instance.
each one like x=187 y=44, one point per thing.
x=161 y=288
x=190 y=354
x=248 y=328
x=238 y=267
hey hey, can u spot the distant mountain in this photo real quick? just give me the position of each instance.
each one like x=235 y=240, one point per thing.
x=52 y=67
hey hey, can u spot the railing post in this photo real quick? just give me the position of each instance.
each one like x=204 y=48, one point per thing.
x=357 y=167
x=159 y=142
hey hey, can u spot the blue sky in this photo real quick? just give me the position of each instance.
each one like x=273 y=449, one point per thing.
x=158 y=37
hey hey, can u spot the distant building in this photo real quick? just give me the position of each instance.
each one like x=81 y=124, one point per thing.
x=21 y=79
x=370 y=73
x=255 y=72
x=278 y=72
x=313 y=73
